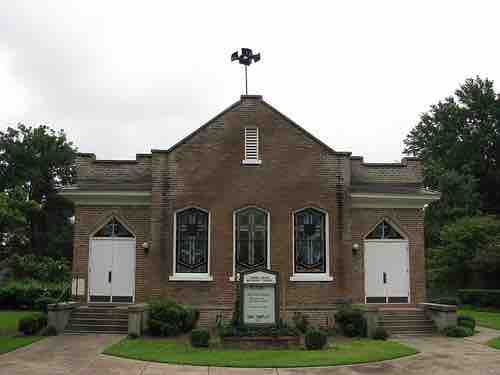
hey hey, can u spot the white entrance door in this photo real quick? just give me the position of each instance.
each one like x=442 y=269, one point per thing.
x=100 y=267
x=122 y=286
x=111 y=270
x=387 y=271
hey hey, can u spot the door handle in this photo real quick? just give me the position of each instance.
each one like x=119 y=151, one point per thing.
x=109 y=276
x=384 y=277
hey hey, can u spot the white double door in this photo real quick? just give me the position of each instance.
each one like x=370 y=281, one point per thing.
x=112 y=270
x=387 y=271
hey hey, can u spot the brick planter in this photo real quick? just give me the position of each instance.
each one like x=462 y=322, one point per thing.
x=262 y=342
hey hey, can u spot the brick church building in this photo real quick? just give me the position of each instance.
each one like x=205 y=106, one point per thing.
x=249 y=190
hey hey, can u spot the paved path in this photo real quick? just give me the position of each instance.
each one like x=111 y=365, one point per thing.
x=79 y=355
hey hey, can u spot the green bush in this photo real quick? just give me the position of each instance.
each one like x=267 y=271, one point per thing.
x=480 y=297
x=351 y=322
x=167 y=318
x=200 y=338
x=445 y=300
x=466 y=321
x=32 y=324
x=279 y=329
x=315 y=339
x=380 y=334
x=44 y=269
x=457 y=331
x=31 y=295
x=301 y=322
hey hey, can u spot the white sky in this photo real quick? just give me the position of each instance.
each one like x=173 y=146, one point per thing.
x=124 y=77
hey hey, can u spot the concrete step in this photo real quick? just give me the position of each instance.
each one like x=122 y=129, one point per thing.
x=76 y=320
x=97 y=327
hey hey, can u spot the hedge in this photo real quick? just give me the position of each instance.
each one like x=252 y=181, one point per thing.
x=167 y=318
x=32 y=324
x=31 y=295
x=480 y=297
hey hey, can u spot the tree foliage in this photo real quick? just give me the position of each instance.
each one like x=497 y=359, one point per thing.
x=462 y=134
x=34 y=163
x=469 y=246
x=458 y=140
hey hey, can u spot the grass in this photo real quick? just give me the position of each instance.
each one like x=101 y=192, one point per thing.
x=488 y=319
x=8 y=330
x=339 y=352
x=8 y=344
x=495 y=343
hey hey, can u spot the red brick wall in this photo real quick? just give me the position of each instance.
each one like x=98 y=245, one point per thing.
x=411 y=222
x=296 y=172
x=206 y=172
x=89 y=219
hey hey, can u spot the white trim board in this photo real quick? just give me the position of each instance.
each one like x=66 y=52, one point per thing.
x=107 y=198
x=379 y=200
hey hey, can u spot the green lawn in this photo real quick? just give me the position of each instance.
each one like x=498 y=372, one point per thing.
x=9 y=319
x=495 y=343
x=8 y=331
x=488 y=319
x=339 y=352
x=8 y=344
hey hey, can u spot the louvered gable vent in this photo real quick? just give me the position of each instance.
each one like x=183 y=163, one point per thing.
x=251 y=146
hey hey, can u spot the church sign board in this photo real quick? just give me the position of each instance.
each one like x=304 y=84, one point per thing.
x=259 y=297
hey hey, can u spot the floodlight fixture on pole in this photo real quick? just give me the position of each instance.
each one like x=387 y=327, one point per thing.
x=245 y=58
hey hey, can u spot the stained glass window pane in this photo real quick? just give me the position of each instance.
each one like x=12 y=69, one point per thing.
x=251 y=239
x=384 y=231
x=310 y=241
x=192 y=241
x=113 y=228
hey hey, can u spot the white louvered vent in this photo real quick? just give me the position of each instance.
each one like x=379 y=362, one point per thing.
x=251 y=146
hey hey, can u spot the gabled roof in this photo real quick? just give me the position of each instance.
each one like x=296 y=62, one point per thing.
x=238 y=103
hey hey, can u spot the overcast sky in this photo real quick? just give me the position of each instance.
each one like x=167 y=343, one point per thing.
x=124 y=77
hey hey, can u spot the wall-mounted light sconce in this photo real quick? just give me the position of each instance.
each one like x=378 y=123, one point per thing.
x=355 y=248
x=145 y=246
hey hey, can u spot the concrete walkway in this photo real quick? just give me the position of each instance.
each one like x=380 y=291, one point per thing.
x=79 y=355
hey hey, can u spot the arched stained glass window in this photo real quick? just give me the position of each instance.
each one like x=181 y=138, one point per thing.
x=384 y=231
x=310 y=241
x=251 y=239
x=113 y=228
x=192 y=241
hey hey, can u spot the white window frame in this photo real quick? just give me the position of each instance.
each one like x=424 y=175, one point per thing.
x=235 y=276
x=252 y=161
x=325 y=276
x=186 y=276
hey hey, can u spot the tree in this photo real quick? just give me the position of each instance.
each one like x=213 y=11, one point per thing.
x=469 y=253
x=39 y=161
x=462 y=134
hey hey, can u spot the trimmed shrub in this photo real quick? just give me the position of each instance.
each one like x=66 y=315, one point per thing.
x=351 y=322
x=301 y=322
x=32 y=324
x=315 y=339
x=466 y=321
x=31 y=295
x=279 y=329
x=480 y=297
x=200 y=338
x=167 y=318
x=457 y=331
x=380 y=334
x=42 y=303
